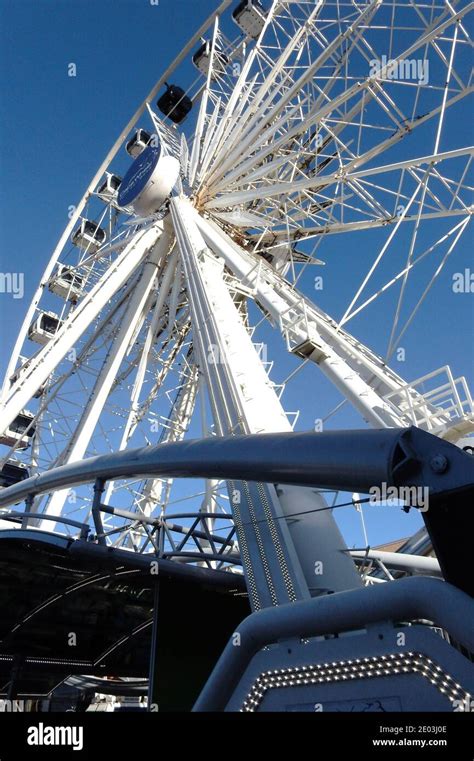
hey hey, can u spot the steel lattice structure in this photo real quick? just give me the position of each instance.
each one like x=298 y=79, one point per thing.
x=321 y=118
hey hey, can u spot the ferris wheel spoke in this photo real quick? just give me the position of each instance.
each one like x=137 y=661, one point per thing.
x=301 y=234
x=411 y=249
x=54 y=396
x=138 y=410
x=253 y=195
x=394 y=341
x=291 y=312
x=311 y=334
x=157 y=492
x=319 y=182
x=421 y=186
x=238 y=98
x=238 y=130
x=251 y=132
x=198 y=135
x=305 y=123
x=153 y=495
x=165 y=367
x=238 y=177
x=40 y=368
x=402 y=272
x=165 y=283
x=102 y=388
x=435 y=45
x=235 y=197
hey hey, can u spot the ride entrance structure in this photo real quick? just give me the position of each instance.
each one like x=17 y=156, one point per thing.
x=179 y=520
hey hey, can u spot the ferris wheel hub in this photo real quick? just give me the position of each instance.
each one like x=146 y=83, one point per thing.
x=149 y=181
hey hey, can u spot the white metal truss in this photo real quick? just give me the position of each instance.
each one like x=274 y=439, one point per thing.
x=243 y=401
x=336 y=120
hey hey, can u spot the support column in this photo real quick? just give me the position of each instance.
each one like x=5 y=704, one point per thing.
x=285 y=558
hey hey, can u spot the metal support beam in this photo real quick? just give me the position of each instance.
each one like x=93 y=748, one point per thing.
x=279 y=554
x=98 y=492
x=242 y=400
x=398 y=561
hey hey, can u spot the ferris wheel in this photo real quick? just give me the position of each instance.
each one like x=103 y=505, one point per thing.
x=278 y=127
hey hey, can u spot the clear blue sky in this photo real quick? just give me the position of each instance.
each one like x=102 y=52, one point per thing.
x=56 y=130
